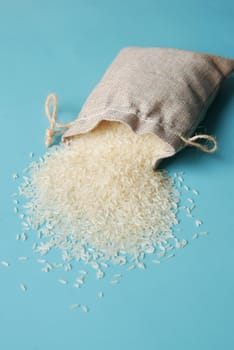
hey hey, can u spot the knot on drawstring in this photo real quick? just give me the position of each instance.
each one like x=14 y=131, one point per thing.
x=49 y=136
x=55 y=127
x=204 y=148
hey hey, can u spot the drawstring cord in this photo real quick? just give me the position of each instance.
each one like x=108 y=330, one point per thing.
x=55 y=127
x=204 y=148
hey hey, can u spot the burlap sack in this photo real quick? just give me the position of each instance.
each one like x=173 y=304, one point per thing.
x=155 y=90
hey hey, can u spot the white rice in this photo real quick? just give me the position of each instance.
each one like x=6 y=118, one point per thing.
x=100 y=294
x=23 y=287
x=98 y=198
x=62 y=281
x=85 y=308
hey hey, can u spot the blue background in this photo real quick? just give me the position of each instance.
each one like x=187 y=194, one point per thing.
x=65 y=46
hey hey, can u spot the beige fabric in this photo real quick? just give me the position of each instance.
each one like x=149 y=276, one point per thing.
x=155 y=90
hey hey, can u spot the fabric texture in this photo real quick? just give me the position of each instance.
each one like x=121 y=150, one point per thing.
x=155 y=90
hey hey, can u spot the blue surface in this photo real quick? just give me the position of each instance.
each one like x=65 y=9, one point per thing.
x=65 y=46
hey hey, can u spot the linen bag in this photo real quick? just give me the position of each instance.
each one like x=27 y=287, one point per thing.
x=163 y=91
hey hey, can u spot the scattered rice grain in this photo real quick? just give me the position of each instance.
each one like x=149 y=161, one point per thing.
x=170 y=256
x=184 y=242
x=23 y=258
x=62 y=281
x=85 y=308
x=141 y=265
x=23 y=287
x=100 y=274
x=100 y=294
x=114 y=282
x=195 y=192
x=67 y=267
x=105 y=265
x=190 y=200
x=80 y=280
x=203 y=233
x=198 y=223
x=46 y=269
x=41 y=261
x=156 y=261
x=15 y=176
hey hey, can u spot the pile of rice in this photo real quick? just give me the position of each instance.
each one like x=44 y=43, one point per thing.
x=98 y=197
